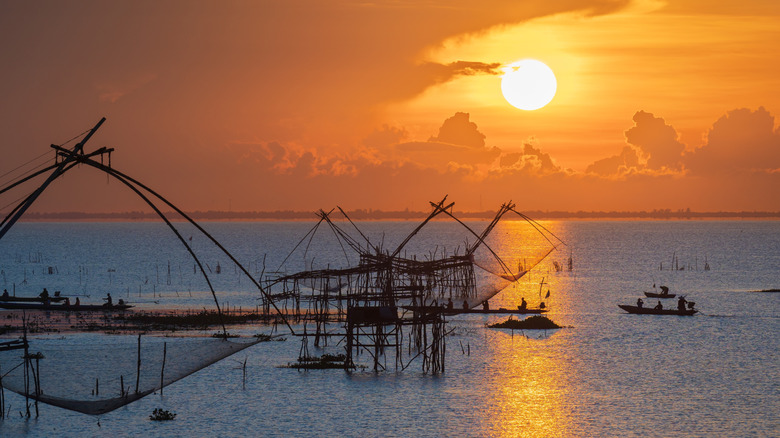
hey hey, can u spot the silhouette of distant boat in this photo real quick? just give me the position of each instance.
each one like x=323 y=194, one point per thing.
x=663 y=294
x=456 y=311
x=651 y=311
x=12 y=299
x=660 y=295
x=64 y=307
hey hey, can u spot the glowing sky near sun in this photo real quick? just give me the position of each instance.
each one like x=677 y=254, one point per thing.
x=299 y=105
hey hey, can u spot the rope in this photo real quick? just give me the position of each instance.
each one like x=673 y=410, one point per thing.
x=63 y=144
x=24 y=164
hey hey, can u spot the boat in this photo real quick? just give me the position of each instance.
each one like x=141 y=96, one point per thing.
x=454 y=311
x=652 y=311
x=64 y=307
x=9 y=298
x=663 y=294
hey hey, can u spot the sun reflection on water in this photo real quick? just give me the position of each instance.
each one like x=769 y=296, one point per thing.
x=531 y=382
x=529 y=388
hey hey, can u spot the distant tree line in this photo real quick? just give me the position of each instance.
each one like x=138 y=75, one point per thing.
x=370 y=214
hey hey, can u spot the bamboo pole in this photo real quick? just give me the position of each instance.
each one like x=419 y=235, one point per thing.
x=162 y=369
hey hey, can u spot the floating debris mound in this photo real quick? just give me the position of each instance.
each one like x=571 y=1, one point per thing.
x=536 y=322
x=326 y=361
x=162 y=415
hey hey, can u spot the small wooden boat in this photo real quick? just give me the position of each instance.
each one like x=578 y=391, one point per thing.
x=9 y=298
x=659 y=295
x=527 y=311
x=454 y=311
x=64 y=307
x=652 y=311
x=663 y=294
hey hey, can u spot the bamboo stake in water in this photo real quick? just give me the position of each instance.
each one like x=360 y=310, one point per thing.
x=162 y=370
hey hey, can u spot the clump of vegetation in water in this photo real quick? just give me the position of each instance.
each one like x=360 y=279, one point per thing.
x=326 y=361
x=536 y=322
x=224 y=335
x=162 y=415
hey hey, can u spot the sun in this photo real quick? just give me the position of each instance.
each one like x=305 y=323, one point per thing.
x=528 y=84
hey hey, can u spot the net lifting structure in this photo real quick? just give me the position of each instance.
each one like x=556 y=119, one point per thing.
x=70 y=373
x=388 y=301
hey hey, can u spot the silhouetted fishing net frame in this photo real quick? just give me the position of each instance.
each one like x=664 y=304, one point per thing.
x=369 y=293
x=69 y=158
x=47 y=384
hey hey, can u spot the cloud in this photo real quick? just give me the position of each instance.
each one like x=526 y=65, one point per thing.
x=740 y=141
x=532 y=161
x=459 y=144
x=438 y=73
x=385 y=136
x=657 y=141
x=112 y=91
x=459 y=130
x=617 y=164
x=653 y=148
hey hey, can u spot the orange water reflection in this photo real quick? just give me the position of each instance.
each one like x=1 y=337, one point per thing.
x=529 y=387
x=520 y=246
x=532 y=376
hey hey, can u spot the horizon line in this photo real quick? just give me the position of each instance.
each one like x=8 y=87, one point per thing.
x=372 y=214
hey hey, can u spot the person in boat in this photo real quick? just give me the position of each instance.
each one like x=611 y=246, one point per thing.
x=659 y=306
x=121 y=302
x=67 y=302
x=523 y=305
x=485 y=305
x=5 y=293
x=639 y=302
x=664 y=290
x=681 y=304
x=109 y=302
x=541 y=305
x=44 y=294
x=465 y=305
x=449 y=304
x=78 y=302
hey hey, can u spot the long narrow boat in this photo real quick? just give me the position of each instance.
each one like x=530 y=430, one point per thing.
x=661 y=295
x=652 y=311
x=10 y=298
x=64 y=307
x=453 y=311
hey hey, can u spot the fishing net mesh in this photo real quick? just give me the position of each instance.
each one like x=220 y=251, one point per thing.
x=95 y=376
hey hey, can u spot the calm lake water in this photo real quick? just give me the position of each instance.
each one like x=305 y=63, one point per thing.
x=607 y=373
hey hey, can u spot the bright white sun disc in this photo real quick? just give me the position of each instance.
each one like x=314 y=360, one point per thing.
x=528 y=84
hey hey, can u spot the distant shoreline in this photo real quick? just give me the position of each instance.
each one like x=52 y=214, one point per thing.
x=363 y=215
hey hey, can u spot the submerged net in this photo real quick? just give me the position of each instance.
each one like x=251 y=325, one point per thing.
x=96 y=374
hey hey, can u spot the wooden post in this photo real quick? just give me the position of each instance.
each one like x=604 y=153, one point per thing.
x=138 y=367
x=37 y=381
x=162 y=370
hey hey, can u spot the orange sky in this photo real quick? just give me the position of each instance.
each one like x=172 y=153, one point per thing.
x=266 y=105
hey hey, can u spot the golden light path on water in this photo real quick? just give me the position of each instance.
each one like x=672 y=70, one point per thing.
x=529 y=388
x=532 y=374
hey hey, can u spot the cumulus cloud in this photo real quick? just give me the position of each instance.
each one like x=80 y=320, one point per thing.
x=657 y=141
x=459 y=130
x=416 y=171
x=459 y=144
x=532 y=161
x=617 y=164
x=740 y=141
x=653 y=148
